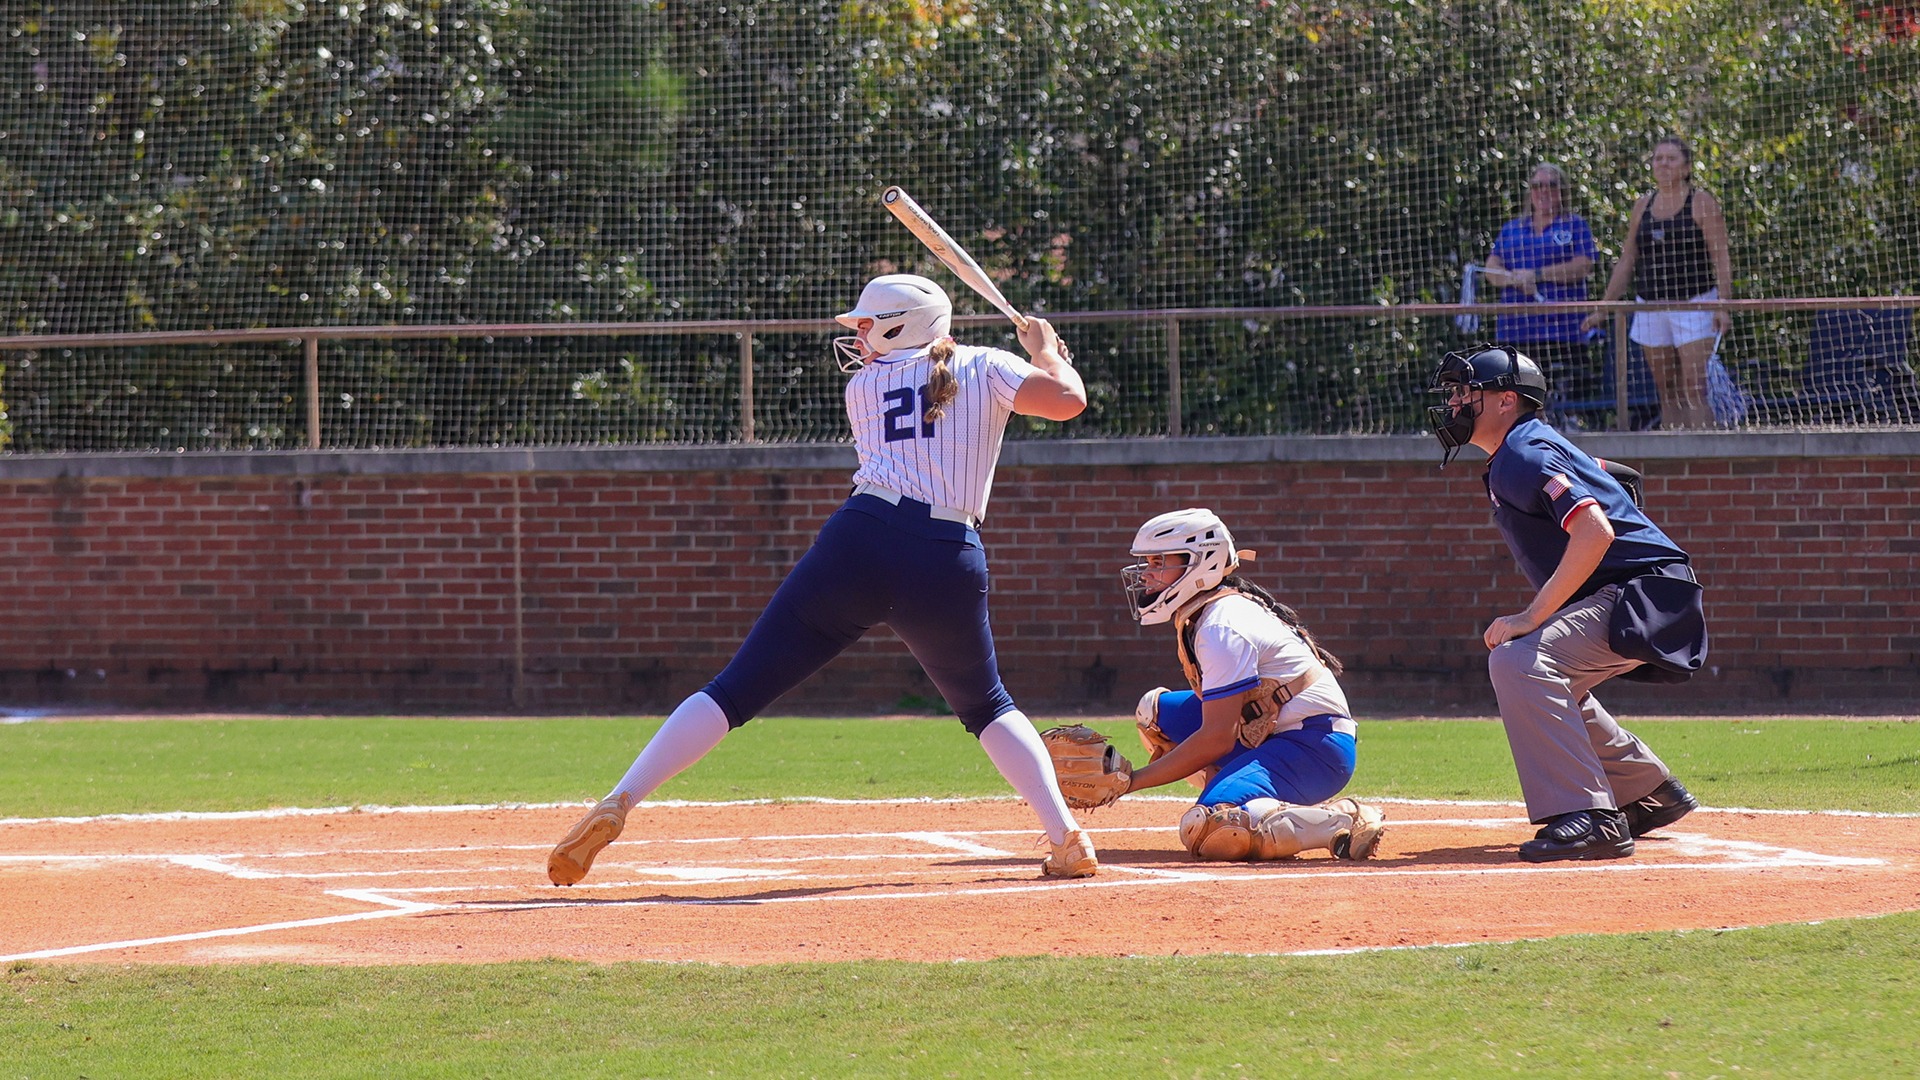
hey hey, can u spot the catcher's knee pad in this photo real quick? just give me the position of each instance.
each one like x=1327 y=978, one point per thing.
x=1147 y=713
x=1218 y=833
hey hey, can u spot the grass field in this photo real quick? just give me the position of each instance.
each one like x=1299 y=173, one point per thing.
x=1834 y=999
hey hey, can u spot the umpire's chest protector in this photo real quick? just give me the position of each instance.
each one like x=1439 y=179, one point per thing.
x=1535 y=539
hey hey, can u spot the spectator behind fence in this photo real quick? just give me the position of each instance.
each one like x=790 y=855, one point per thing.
x=1546 y=254
x=1675 y=249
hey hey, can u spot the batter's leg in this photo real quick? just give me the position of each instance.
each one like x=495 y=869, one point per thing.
x=940 y=612
x=1015 y=749
x=941 y=615
x=690 y=731
x=694 y=728
x=828 y=601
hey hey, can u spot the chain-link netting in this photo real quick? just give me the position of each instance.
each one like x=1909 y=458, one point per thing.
x=195 y=164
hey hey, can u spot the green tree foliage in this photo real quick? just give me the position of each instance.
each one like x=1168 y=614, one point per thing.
x=209 y=164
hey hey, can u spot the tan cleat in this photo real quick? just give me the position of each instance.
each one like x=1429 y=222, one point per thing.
x=1070 y=859
x=1362 y=838
x=573 y=855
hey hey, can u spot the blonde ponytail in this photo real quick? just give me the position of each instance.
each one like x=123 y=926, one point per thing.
x=942 y=387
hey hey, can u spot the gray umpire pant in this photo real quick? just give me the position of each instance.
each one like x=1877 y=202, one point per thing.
x=1569 y=752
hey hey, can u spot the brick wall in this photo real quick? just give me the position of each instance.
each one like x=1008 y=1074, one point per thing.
x=607 y=581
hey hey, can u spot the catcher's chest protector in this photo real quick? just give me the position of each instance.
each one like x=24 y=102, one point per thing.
x=1262 y=711
x=1190 y=626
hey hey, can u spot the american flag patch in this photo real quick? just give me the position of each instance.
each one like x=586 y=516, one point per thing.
x=1557 y=485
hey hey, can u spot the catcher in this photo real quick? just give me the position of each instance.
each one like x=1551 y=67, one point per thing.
x=1265 y=732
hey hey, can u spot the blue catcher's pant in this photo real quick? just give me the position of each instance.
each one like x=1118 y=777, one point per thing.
x=874 y=562
x=1306 y=766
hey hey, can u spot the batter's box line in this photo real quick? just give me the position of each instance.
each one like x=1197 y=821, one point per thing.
x=388 y=908
x=945 y=842
x=1149 y=877
x=1699 y=854
x=391 y=906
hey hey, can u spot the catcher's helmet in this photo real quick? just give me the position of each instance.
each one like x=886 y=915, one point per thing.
x=1492 y=367
x=1202 y=539
x=900 y=311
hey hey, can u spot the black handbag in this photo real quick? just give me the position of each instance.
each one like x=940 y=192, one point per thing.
x=1661 y=619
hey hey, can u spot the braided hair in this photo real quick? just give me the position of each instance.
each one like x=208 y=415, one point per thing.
x=1286 y=615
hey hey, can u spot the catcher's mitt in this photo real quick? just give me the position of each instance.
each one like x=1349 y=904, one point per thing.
x=1091 y=771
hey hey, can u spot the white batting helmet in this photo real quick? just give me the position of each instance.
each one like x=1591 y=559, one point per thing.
x=902 y=311
x=1197 y=534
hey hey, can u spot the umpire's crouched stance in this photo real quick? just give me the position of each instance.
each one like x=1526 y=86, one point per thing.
x=1614 y=596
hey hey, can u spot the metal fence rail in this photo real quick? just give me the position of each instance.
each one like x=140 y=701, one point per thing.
x=1182 y=372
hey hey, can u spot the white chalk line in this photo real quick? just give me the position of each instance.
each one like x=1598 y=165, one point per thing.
x=1706 y=854
x=272 y=813
x=392 y=908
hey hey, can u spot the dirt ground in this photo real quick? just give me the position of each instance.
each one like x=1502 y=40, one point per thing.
x=911 y=880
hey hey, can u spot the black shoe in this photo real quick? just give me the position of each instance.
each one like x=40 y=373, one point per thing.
x=1583 y=834
x=1667 y=804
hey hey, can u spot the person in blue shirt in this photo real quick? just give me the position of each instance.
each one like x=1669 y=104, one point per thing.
x=1546 y=255
x=1580 y=539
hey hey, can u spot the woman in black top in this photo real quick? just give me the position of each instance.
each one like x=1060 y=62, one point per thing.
x=1676 y=249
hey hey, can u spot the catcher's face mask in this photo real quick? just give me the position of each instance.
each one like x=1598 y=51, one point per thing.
x=1453 y=421
x=1152 y=576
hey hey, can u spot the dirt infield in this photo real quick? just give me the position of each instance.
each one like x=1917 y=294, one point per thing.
x=926 y=881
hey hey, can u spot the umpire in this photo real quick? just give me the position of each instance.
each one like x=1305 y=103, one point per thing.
x=1613 y=596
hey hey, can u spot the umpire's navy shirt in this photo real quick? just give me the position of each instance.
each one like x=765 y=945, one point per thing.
x=1537 y=479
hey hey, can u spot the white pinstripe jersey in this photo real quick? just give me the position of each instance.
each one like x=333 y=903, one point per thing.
x=947 y=462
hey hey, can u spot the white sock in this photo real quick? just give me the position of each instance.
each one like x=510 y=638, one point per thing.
x=1259 y=808
x=1016 y=750
x=696 y=727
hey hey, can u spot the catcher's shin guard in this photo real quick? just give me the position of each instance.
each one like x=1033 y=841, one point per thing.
x=573 y=855
x=1346 y=829
x=1072 y=858
x=1220 y=833
x=1282 y=835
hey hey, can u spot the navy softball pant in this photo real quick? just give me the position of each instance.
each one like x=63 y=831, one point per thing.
x=874 y=562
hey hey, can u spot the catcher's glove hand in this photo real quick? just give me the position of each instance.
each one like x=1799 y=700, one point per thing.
x=1091 y=771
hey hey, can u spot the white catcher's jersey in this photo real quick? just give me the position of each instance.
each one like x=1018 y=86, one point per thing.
x=946 y=462
x=1238 y=642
